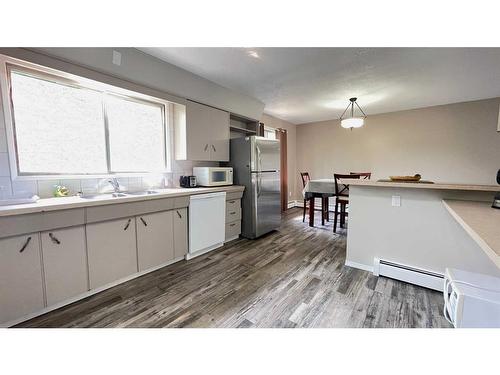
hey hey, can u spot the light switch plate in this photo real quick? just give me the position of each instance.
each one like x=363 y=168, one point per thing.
x=117 y=58
x=396 y=201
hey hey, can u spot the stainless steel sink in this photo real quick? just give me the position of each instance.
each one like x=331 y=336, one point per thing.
x=144 y=192
x=103 y=196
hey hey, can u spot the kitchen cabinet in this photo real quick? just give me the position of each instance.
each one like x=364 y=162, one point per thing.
x=180 y=232
x=203 y=134
x=112 y=253
x=64 y=263
x=155 y=239
x=21 y=285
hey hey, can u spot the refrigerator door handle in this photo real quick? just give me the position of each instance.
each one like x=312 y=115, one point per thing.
x=259 y=160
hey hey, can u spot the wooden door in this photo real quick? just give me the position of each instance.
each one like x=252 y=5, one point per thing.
x=219 y=123
x=180 y=232
x=111 y=251
x=198 y=131
x=21 y=286
x=155 y=239
x=65 y=263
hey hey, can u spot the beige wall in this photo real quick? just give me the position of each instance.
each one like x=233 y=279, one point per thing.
x=274 y=122
x=456 y=143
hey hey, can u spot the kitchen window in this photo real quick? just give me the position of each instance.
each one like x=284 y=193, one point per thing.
x=61 y=126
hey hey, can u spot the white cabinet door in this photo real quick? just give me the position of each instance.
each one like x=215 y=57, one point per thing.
x=155 y=239
x=180 y=232
x=219 y=123
x=21 y=287
x=111 y=251
x=198 y=131
x=64 y=263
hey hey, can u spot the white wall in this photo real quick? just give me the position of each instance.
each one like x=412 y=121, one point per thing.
x=457 y=143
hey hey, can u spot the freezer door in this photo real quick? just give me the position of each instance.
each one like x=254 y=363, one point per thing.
x=265 y=154
x=267 y=204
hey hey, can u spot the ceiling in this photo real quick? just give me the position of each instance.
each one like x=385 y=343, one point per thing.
x=302 y=85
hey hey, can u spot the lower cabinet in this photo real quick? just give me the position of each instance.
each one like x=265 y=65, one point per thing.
x=65 y=263
x=21 y=286
x=155 y=239
x=180 y=232
x=111 y=247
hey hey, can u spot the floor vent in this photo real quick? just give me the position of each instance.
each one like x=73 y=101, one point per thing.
x=417 y=276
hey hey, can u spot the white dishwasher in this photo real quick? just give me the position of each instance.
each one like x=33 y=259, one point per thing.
x=207 y=222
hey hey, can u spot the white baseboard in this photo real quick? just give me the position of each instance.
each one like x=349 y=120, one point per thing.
x=359 y=266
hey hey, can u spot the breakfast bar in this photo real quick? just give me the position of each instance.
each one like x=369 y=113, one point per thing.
x=409 y=225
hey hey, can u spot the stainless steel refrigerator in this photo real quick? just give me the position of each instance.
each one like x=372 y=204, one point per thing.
x=256 y=165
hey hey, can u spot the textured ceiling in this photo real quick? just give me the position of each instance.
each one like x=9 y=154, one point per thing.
x=312 y=84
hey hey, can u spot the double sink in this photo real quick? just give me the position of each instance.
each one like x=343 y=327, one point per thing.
x=118 y=195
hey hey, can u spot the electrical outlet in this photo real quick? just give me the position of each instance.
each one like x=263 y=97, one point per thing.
x=396 y=201
x=290 y=194
x=117 y=58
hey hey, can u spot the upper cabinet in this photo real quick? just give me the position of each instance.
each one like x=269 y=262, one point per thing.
x=201 y=133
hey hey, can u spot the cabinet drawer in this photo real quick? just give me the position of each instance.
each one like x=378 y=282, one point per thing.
x=233 y=195
x=120 y=210
x=233 y=212
x=37 y=222
x=233 y=230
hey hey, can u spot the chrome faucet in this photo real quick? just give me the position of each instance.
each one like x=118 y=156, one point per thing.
x=115 y=184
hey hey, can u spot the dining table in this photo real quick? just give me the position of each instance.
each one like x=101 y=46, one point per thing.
x=319 y=188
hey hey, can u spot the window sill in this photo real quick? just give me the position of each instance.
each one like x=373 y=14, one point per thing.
x=85 y=176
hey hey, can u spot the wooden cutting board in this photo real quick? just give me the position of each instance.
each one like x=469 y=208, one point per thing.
x=408 y=182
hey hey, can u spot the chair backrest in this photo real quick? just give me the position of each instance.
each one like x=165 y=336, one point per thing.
x=305 y=178
x=365 y=175
x=342 y=190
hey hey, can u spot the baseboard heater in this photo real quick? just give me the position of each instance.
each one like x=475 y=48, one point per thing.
x=412 y=275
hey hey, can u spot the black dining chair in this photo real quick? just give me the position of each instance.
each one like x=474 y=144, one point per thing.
x=341 y=198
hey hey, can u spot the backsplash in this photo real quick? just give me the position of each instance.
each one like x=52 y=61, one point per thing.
x=45 y=188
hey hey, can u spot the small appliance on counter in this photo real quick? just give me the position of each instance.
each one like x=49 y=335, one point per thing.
x=496 y=200
x=187 y=181
x=471 y=300
x=213 y=176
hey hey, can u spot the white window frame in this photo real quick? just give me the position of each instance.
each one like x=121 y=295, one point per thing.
x=269 y=129
x=61 y=77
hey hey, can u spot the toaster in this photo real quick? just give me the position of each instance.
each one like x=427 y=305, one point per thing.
x=187 y=181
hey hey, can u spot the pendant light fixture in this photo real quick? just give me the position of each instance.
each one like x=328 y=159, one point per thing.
x=352 y=121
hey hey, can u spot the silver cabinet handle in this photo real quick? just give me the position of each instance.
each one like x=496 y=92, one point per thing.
x=128 y=224
x=206 y=147
x=54 y=239
x=144 y=222
x=232 y=202
x=214 y=148
x=179 y=214
x=232 y=213
x=25 y=244
x=232 y=225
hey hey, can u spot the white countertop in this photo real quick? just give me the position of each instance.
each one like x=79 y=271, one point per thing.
x=53 y=204
x=481 y=222
x=422 y=185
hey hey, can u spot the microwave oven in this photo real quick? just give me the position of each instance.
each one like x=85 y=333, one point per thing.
x=471 y=300
x=213 y=176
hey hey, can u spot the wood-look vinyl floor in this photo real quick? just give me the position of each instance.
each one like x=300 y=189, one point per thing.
x=294 y=277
